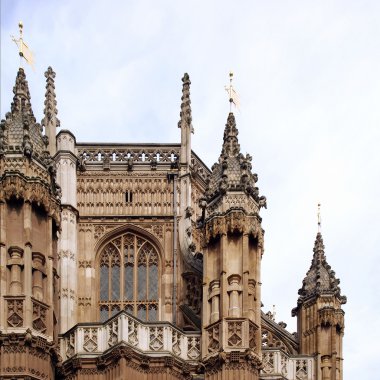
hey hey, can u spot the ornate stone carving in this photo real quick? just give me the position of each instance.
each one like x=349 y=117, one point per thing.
x=85 y=264
x=270 y=340
x=19 y=187
x=176 y=343
x=193 y=351
x=284 y=365
x=301 y=370
x=70 y=348
x=320 y=278
x=15 y=313
x=233 y=171
x=84 y=301
x=39 y=317
x=156 y=339
x=193 y=291
x=213 y=338
x=132 y=333
x=268 y=362
x=234 y=221
x=252 y=336
x=90 y=339
x=113 y=331
x=235 y=337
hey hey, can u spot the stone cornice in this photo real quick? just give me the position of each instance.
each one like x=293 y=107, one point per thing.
x=234 y=220
x=30 y=189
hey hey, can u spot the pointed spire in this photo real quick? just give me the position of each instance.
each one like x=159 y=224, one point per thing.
x=21 y=98
x=20 y=127
x=231 y=146
x=320 y=279
x=185 y=114
x=233 y=172
x=50 y=120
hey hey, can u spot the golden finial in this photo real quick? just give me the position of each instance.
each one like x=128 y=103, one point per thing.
x=319 y=217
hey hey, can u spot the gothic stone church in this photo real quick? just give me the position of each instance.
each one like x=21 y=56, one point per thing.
x=137 y=261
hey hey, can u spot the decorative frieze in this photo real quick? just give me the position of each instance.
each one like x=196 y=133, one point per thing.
x=84 y=301
x=114 y=195
x=85 y=264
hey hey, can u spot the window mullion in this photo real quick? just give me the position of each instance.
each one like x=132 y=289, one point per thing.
x=135 y=276
x=147 y=286
x=109 y=286
x=122 y=270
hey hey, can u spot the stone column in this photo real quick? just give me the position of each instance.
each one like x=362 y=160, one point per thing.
x=67 y=246
x=214 y=297
x=28 y=265
x=234 y=290
x=38 y=276
x=15 y=263
x=3 y=261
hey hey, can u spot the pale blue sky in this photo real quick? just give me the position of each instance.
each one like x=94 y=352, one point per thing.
x=308 y=75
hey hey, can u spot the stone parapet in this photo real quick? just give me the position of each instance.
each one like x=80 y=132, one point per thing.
x=276 y=364
x=161 y=338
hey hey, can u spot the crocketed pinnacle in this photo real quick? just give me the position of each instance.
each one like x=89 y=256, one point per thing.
x=50 y=110
x=233 y=172
x=320 y=279
x=20 y=132
x=185 y=114
x=231 y=146
x=21 y=98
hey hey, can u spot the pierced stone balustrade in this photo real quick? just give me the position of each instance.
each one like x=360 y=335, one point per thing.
x=116 y=155
x=153 y=339
x=277 y=364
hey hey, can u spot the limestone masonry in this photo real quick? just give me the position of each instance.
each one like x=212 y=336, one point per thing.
x=136 y=261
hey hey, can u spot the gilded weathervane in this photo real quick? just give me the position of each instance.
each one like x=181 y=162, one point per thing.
x=233 y=96
x=23 y=49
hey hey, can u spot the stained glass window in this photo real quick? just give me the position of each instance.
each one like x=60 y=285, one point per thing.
x=141 y=312
x=103 y=313
x=104 y=283
x=128 y=282
x=129 y=278
x=141 y=282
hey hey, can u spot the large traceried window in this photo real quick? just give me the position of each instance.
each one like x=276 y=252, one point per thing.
x=129 y=278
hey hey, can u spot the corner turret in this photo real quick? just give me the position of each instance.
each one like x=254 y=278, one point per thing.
x=233 y=246
x=29 y=223
x=320 y=318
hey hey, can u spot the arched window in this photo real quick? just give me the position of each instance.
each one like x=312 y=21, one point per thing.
x=129 y=278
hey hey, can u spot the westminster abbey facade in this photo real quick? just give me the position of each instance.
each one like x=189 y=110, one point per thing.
x=137 y=261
